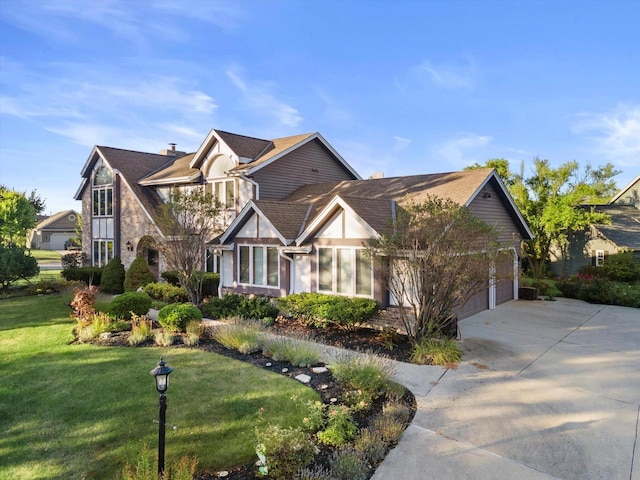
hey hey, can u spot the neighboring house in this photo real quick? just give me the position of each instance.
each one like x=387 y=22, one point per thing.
x=594 y=245
x=54 y=232
x=299 y=216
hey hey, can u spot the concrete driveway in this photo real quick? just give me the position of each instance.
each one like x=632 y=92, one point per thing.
x=545 y=390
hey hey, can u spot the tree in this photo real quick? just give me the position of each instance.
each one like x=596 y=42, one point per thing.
x=34 y=199
x=188 y=220
x=436 y=257
x=112 y=280
x=16 y=264
x=138 y=275
x=17 y=216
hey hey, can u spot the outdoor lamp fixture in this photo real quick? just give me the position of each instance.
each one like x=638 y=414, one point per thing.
x=130 y=246
x=161 y=374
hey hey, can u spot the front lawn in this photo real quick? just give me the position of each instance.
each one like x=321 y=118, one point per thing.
x=73 y=411
x=45 y=257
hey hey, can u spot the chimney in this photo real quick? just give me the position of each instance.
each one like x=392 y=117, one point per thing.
x=171 y=151
x=173 y=147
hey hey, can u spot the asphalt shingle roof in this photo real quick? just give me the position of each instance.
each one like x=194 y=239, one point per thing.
x=624 y=229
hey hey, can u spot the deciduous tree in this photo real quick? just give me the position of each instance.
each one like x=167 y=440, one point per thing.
x=17 y=216
x=188 y=221
x=434 y=258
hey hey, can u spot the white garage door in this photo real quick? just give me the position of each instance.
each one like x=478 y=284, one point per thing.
x=58 y=240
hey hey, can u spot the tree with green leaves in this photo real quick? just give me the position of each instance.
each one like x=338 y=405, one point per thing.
x=16 y=264
x=550 y=200
x=188 y=220
x=17 y=217
x=436 y=256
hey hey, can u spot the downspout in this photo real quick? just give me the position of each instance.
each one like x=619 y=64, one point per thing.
x=255 y=184
x=516 y=271
x=282 y=254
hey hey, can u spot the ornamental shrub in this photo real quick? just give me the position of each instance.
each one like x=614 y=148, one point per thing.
x=88 y=275
x=319 y=309
x=74 y=260
x=16 y=263
x=123 y=305
x=166 y=292
x=234 y=305
x=171 y=277
x=176 y=316
x=621 y=267
x=112 y=280
x=287 y=450
x=138 y=275
x=340 y=429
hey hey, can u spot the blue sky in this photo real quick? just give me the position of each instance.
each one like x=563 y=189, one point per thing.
x=400 y=87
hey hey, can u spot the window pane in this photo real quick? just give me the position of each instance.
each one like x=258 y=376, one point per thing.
x=258 y=266
x=230 y=194
x=109 y=201
x=96 y=202
x=244 y=265
x=325 y=261
x=218 y=193
x=96 y=253
x=103 y=253
x=272 y=266
x=109 y=250
x=344 y=270
x=103 y=201
x=363 y=273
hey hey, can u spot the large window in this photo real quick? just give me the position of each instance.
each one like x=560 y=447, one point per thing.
x=344 y=270
x=102 y=252
x=258 y=265
x=599 y=258
x=103 y=202
x=224 y=191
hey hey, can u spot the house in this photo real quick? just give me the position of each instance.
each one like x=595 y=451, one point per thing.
x=593 y=245
x=54 y=232
x=299 y=216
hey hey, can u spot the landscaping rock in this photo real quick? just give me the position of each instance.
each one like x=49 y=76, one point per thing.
x=319 y=369
x=303 y=378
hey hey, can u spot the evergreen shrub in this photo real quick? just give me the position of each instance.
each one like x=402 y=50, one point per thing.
x=138 y=275
x=176 y=316
x=123 y=305
x=112 y=280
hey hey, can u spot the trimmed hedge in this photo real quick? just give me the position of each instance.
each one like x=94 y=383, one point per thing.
x=320 y=309
x=176 y=316
x=210 y=282
x=234 y=305
x=166 y=292
x=600 y=290
x=122 y=305
x=88 y=275
x=138 y=275
x=112 y=280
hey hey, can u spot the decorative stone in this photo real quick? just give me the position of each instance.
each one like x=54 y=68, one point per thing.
x=285 y=370
x=223 y=474
x=105 y=335
x=303 y=378
x=319 y=369
x=324 y=386
x=333 y=400
x=268 y=364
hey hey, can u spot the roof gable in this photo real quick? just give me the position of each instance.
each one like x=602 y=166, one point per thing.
x=629 y=195
x=63 y=216
x=624 y=229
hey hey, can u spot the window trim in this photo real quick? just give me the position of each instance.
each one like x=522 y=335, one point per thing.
x=353 y=267
x=227 y=203
x=98 y=261
x=251 y=265
x=599 y=258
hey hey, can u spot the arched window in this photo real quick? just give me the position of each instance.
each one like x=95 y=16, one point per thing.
x=103 y=176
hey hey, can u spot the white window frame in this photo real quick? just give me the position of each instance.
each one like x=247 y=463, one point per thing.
x=335 y=278
x=103 y=254
x=599 y=258
x=265 y=266
x=218 y=188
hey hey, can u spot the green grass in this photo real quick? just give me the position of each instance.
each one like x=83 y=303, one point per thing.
x=45 y=256
x=81 y=411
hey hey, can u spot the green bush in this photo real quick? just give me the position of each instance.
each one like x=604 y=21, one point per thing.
x=166 y=292
x=138 y=275
x=367 y=376
x=234 y=305
x=121 y=306
x=176 y=316
x=319 y=309
x=16 y=263
x=88 y=275
x=340 y=429
x=287 y=450
x=112 y=280
x=600 y=290
x=370 y=446
x=347 y=464
x=171 y=277
x=73 y=260
x=621 y=267
x=436 y=351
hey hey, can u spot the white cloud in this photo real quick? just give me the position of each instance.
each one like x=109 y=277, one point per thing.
x=258 y=98
x=401 y=142
x=462 y=150
x=615 y=134
x=449 y=77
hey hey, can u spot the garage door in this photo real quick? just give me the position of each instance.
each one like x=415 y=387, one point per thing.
x=58 y=240
x=504 y=288
x=476 y=304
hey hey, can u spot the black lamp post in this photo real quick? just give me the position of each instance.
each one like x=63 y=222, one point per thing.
x=161 y=373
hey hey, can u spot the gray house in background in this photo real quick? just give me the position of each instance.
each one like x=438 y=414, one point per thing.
x=54 y=232
x=594 y=245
